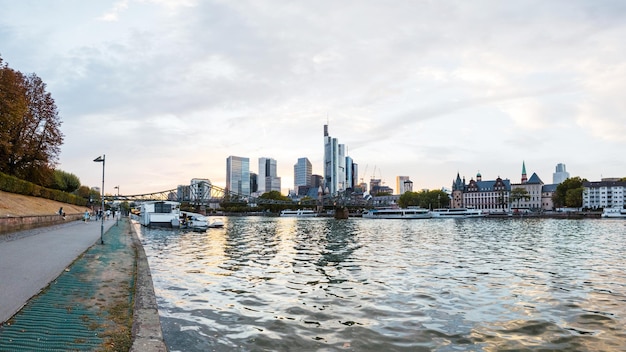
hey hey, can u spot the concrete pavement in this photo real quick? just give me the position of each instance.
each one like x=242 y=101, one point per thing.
x=30 y=260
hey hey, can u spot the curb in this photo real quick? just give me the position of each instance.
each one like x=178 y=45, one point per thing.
x=146 y=331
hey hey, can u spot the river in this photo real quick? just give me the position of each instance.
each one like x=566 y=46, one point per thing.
x=320 y=284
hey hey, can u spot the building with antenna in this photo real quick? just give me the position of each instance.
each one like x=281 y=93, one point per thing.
x=334 y=164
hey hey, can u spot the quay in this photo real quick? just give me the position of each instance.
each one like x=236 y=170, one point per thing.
x=63 y=290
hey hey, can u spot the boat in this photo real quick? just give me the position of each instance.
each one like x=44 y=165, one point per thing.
x=614 y=213
x=160 y=213
x=398 y=213
x=216 y=224
x=458 y=213
x=299 y=213
x=194 y=221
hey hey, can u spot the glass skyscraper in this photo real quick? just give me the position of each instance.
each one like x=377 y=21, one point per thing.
x=238 y=175
x=302 y=172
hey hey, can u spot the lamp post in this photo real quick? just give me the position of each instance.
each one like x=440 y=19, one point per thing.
x=119 y=206
x=100 y=159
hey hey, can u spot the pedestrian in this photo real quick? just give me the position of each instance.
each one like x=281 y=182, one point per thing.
x=61 y=211
x=86 y=216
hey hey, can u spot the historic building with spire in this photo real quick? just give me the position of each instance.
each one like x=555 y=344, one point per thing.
x=489 y=196
x=533 y=186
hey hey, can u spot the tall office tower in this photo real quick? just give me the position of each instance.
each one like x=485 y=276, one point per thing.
x=302 y=172
x=560 y=175
x=268 y=179
x=349 y=176
x=355 y=175
x=334 y=164
x=401 y=184
x=317 y=181
x=238 y=175
x=254 y=185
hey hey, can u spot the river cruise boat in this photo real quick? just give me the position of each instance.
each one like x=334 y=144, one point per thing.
x=409 y=213
x=457 y=213
x=160 y=213
x=614 y=213
x=299 y=213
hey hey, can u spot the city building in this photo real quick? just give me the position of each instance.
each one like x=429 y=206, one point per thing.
x=200 y=190
x=547 y=191
x=403 y=185
x=334 y=164
x=560 y=175
x=607 y=193
x=302 y=172
x=238 y=175
x=267 y=179
x=489 y=196
x=533 y=187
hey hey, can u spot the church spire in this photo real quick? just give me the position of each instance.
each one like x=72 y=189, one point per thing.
x=524 y=178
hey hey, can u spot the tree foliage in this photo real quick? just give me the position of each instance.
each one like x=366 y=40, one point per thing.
x=65 y=181
x=569 y=193
x=517 y=194
x=276 y=196
x=30 y=138
x=424 y=199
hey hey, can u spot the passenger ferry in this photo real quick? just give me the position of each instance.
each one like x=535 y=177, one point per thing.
x=160 y=213
x=458 y=213
x=409 y=213
x=299 y=213
x=614 y=213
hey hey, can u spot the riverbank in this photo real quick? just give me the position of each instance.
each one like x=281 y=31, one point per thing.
x=101 y=300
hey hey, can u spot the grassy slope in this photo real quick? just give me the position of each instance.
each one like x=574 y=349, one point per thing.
x=18 y=205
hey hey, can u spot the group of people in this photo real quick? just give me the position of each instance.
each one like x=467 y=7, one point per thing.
x=99 y=215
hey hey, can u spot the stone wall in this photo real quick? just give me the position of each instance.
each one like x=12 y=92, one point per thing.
x=10 y=224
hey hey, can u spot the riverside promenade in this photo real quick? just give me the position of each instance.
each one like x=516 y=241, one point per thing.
x=57 y=284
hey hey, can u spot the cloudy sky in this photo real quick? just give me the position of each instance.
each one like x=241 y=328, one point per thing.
x=169 y=89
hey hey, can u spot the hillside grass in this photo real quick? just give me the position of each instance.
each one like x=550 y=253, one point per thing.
x=12 y=204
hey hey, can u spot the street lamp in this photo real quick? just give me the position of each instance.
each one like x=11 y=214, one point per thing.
x=98 y=160
x=119 y=206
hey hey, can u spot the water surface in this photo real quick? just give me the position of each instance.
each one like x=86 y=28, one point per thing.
x=318 y=284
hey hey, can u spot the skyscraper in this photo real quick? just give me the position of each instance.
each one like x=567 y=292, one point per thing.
x=238 y=175
x=334 y=164
x=268 y=179
x=560 y=175
x=401 y=184
x=302 y=172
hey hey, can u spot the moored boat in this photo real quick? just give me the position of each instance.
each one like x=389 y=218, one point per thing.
x=299 y=213
x=614 y=213
x=398 y=213
x=457 y=213
x=160 y=213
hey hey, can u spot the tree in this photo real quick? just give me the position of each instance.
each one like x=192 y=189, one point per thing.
x=574 y=197
x=424 y=199
x=517 y=194
x=274 y=196
x=30 y=137
x=65 y=181
x=559 y=198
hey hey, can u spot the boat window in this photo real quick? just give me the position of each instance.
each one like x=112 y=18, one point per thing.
x=162 y=208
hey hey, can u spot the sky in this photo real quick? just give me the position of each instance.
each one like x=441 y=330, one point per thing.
x=167 y=90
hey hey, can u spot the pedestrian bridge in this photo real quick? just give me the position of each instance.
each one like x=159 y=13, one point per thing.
x=214 y=195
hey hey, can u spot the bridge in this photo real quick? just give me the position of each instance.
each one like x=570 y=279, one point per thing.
x=207 y=194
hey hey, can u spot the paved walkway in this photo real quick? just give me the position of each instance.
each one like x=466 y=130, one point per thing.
x=30 y=260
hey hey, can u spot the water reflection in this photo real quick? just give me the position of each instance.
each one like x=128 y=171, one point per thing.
x=358 y=284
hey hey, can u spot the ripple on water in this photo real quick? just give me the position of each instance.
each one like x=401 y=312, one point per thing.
x=367 y=285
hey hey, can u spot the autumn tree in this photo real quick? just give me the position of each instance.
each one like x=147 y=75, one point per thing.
x=30 y=138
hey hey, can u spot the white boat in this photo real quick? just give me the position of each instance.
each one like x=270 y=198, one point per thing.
x=614 y=213
x=457 y=213
x=194 y=221
x=216 y=224
x=160 y=213
x=300 y=213
x=408 y=213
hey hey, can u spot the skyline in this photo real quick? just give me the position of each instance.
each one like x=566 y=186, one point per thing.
x=169 y=89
